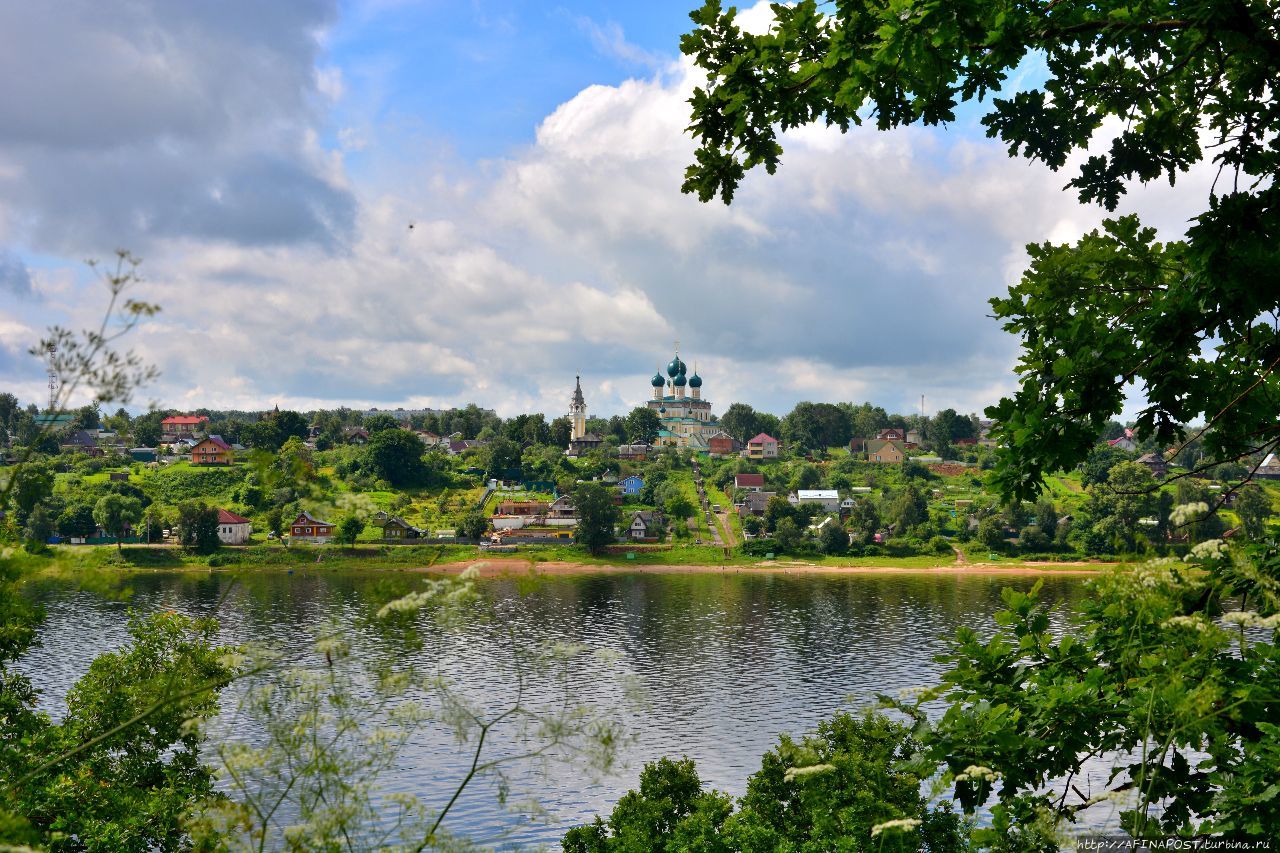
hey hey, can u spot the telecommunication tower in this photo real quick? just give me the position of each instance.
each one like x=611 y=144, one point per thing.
x=52 y=350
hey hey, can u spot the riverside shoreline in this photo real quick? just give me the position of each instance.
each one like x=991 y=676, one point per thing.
x=500 y=567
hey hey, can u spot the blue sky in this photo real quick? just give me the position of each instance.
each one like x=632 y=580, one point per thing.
x=482 y=75
x=266 y=161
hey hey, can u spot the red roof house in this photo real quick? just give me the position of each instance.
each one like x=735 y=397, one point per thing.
x=751 y=482
x=212 y=451
x=763 y=446
x=233 y=529
x=182 y=426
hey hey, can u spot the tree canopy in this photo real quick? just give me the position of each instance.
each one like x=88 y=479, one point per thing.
x=1146 y=90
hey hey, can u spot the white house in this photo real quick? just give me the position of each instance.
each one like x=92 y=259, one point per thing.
x=233 y=529
x=828 y=499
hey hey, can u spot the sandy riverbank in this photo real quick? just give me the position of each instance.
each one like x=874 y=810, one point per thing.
x=497 y=567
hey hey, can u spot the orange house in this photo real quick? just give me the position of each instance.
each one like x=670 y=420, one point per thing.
x=212 y=451
x=306 y=527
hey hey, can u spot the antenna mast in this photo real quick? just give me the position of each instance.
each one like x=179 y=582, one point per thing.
x=52 y=350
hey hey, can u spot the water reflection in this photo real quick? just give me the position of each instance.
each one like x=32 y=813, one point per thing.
x=726 y=662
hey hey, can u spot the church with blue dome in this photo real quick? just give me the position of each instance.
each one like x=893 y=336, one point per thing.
x=684 y=416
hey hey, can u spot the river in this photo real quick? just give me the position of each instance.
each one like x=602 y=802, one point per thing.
x=723 y=662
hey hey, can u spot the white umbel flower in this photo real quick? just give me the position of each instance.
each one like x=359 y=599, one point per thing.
x=906 y=824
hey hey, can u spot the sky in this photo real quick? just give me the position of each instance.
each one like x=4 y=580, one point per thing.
x=266 y=161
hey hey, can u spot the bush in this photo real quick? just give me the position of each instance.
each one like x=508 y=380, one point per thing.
x=940 y=546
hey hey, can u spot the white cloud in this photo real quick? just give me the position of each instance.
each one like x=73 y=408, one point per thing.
x=860 y=271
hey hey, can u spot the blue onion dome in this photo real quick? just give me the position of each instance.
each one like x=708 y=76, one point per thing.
x=662 y=410
x=695 y=381
x=675 y=367
x=679 y=381
x=657 y=381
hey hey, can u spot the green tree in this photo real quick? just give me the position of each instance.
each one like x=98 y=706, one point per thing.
x=864 y=520
x=395 y=455
x=1128 y=495
x=597 y=516
x=123 y=767
x=380 y=422
x=832 y=538
x=1185 y=695
x=787 y=534
x=1116 y=307
x=116 y=514
x=1254 y=508
x=816 y=426
x=198 y=527
x=679 y=506
x=38 y=529
x=29 y=484
x=741 y=422
x=776 y=509
x=846 y=787
x=502 y=457
x=806 y=477
x=559 y=431
x=145 y=429
x=77 y=520
x=642 y=425
x=473 y=525
x=906 y=508
x=991 y=532
x=349 y=530
x=1047 y=517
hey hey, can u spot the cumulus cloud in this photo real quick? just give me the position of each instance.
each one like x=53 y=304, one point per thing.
x=128 y=123
x=860 y=271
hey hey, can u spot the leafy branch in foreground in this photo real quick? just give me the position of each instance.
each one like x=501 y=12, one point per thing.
x=332 y=727
x=1170 y=679
x=1146 y=90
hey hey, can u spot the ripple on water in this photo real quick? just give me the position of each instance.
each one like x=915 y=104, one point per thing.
x=725 y=663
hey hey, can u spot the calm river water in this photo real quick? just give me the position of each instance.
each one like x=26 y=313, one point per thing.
x=724 y=662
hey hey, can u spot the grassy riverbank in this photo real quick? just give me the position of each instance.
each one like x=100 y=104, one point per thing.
x=72 y=560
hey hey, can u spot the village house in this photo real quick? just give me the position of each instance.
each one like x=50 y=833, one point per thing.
x=633 y=451
x=233 y=529
x=563 y=508
x=886 y=451
x=646 y=526
x=754 y=503
x=398 y=529
x=892 y=434
x=1156 y=464
x=79 y=441
x=722 y=444
x=428 y=438
x=212 y=451
x=1269 y=469
x=307 y=528
x=828 y=499
x=175 y=427
x=533 y=536
x=913 y=439
x=631 y=485
x=748 y=482
x=527 y=508
x=1127 y=442
x=355 y=435
x=857 y=445
x=763 y=446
